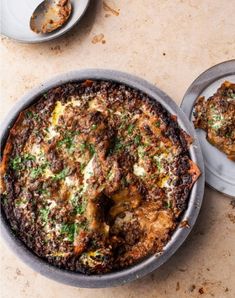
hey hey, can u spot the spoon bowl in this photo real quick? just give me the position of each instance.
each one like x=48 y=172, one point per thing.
x=50 y=15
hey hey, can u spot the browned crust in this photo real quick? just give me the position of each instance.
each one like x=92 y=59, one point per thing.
x=194 y=172
x=141 y=237
x=8 y=149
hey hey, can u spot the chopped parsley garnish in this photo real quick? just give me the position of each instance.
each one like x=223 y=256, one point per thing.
x=141 y=154
x=231 y=94
x=216 y=121
x=91 y=149
x=82 y=166
x=16 y=163
x=168 y=204
x=216 y=126
x=77 y=204
x=83 y=147
x=124 y=181
x=217 y=117
x=157 y=124
x=137 y=139
x=124 y=119
x=29 y=114
x=68 y=140
x=36 y=117
x=4 y=199
x=44 y=213
x=130 y=128
x=21 y=202
x=141 y=151
x=109 y=175
x=118 y=145
x=36 y=132
x=28 y=156
x=94 y=126
x=69 y=230
x=80 y=209
x=61 y=175
x=159 y=165
x=43 y=191
x=228 y=134
x=88 y=146
x=38 y=171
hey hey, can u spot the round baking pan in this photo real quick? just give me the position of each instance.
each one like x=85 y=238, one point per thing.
x=15 y=17
x=220 y=171
x=149 y=264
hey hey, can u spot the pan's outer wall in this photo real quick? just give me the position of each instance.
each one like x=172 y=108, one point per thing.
x=179 y=236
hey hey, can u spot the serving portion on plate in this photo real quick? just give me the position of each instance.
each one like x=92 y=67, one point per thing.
x=209 y=103
x=216 y=116
x=95 y=176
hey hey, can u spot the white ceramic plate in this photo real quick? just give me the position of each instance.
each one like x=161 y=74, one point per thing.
x=220 y=171
x=15 y=17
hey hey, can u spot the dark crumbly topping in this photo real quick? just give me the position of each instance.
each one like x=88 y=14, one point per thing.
x=95 y=176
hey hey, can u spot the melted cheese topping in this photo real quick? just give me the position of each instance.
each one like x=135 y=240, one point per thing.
x=139 y=171
x=37 y=151
x=59 y=111
x=88 y=173
x=96 y=104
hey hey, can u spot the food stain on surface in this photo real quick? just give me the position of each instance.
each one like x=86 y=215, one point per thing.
x=177 y=286
x=209 y=287
x=98 y=38
x=232 y=203
x=192 y=288
x=56 y=49
x=231 y=217
x=111 y=10
x=182 y=269
x=18 y=272
x=201 y=291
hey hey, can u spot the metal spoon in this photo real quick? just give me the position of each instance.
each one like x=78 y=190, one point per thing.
x=50 y=15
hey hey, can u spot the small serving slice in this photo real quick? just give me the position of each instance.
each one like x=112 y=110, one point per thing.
x=216 y=116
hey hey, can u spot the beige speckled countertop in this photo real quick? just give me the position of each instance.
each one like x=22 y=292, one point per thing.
x=169 y=43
